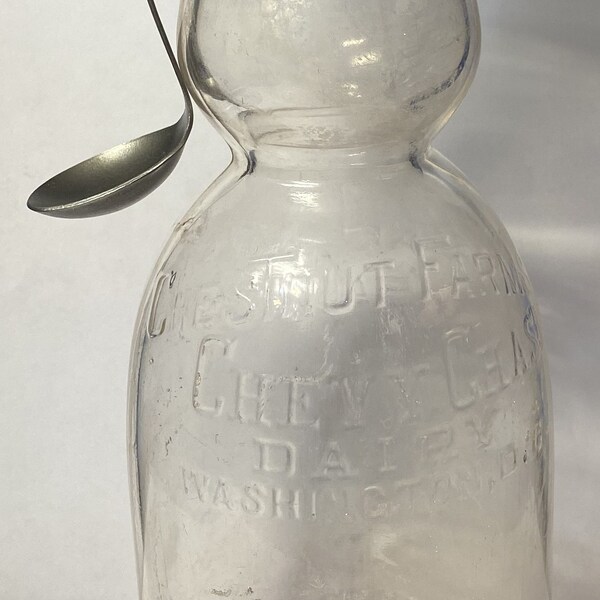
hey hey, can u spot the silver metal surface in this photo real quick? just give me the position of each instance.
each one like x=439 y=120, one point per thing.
x=122 y=175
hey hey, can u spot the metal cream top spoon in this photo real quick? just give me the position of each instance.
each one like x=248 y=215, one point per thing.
x=122 y=175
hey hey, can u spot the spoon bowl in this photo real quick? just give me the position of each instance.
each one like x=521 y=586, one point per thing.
x=123 y=175
x=114 y=179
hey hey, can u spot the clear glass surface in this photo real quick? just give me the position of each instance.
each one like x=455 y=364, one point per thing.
x=338 y=385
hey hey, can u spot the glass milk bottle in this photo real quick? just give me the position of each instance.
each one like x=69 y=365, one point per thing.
x=338 y=388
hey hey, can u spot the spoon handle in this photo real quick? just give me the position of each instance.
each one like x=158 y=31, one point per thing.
x=171 y=54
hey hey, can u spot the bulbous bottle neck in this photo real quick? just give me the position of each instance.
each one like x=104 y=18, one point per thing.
x=283 y=78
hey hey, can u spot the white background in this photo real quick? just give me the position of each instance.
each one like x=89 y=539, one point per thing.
x=78 y=77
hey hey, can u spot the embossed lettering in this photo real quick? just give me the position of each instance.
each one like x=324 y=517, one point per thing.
x=474 y=371
x=326 y=500
x=463 y=391
x=442 y=489
x=342 y=289
x=278 y=283
x=388 y=464
x=354 y=394
x=427 y=252
x=222 y=495
x=465 y=275
x=276 y=456
x=380 y=268
x=334 y=302
x=286 y=504
x=384 y=501
x=253 y=501
x=208 y=397
x=487 y=270
x=435 y=445
x=461 y=282
x=331 y=502
x=301 y=411
x=195 y=486
x=513 y=281
x=243 y=310
x=252 y=398
x=409 y=495
x=494 y=379
x=467 y=481
x=531 y=330
x=375 y=504
x=483 y=426
x=154 y=327
x=508 y=461
x=333 y=462
x=522 y=359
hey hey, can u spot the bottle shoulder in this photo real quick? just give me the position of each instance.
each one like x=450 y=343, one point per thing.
x=411 y=239
x=351 y=212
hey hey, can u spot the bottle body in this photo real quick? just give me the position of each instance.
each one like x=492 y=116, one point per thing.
x=338 y=391
x=338 y=388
